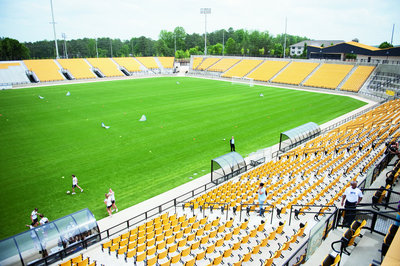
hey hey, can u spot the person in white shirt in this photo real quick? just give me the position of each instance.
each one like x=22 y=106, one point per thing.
x=111 y=194
x=108 y=203
x=352 y=196
x=262 y=196
x=75 y=184
x=43 y=220
x=34 y=217
x=232 y=142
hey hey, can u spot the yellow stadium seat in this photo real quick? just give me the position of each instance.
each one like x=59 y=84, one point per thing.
x=45 y=69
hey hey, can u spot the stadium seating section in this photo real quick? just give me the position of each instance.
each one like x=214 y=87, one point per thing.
x=12 y=73
x=295 y=73
x=128 y=63
x=316 y=173
x=106 y=66
x=242 y=68
x=207 y=62
x=77 y=67
x=45 y=69
x=148 y=62
x=167 y=62
x=223 y=64
x=4 y=65
x=267 y=70
x=196 y=62
x=328 y=76
x=357 y=79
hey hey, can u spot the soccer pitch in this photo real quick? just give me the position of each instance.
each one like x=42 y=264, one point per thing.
x=44 y=141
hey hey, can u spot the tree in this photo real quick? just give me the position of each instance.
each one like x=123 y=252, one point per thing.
x=92 y=47
x=385 y=45
x=180 y=36
x=11 y=49
x=304 y=54
x=195 y=51
x=231 y=47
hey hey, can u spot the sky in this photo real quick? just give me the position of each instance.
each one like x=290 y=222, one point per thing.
x=371 y=21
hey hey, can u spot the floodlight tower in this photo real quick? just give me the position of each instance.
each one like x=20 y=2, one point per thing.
x=54 y=28
x=284 y=44
x=205 y=11
x=65 y=45
x=97 y=51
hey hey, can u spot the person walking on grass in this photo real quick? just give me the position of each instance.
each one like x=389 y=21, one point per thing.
x=107 y=202
x=75 y=184
x=111 y=194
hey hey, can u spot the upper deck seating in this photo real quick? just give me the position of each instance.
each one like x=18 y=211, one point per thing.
x=223 y=64
x=148 y=62
x=106 y=66
x=128 y=63
x=167 y=62
x=77 y=67
x=242 y=68
x=45 y=69
x=295 y=73
x=357 y=78
x=267 y=70
x=328 y=76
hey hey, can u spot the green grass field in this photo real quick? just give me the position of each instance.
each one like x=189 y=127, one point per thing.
x=43 y=140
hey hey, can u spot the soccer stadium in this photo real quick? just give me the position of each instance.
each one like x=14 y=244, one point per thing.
x=213 y=159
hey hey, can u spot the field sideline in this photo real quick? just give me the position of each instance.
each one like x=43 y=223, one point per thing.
x=43 y=140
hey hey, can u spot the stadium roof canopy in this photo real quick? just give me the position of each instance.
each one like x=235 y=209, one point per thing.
x=227 y=166
x=298 y=135
x=336 y=51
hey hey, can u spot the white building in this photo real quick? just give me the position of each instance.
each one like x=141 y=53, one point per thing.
x=298 y=48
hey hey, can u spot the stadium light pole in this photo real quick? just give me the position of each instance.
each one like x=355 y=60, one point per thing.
x=223 y=42
x=54 y=28
x=284 y=44
x=65 y=45
x=205 y=11
x=111 y=46
x=175 y=44
x=391 y=40
x=97 y=51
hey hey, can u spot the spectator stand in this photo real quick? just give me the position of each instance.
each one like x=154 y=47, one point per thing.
x=226 y=167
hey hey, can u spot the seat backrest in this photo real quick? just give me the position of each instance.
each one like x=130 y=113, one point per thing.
x=140 y=257
x=162 y=255
x=151 y=261
x=176 y=258
x=337 y=259
x=329 y=260
x=355 y=225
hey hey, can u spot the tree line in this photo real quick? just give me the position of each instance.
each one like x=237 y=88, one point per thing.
x=176 y=43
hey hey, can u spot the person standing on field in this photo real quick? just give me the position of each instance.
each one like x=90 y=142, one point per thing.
x=107 y=202
x=75 y=184
x=34 y=218
x=232 y=142
x=111 y=194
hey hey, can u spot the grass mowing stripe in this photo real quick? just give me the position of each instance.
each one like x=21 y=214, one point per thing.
x=43 y=140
